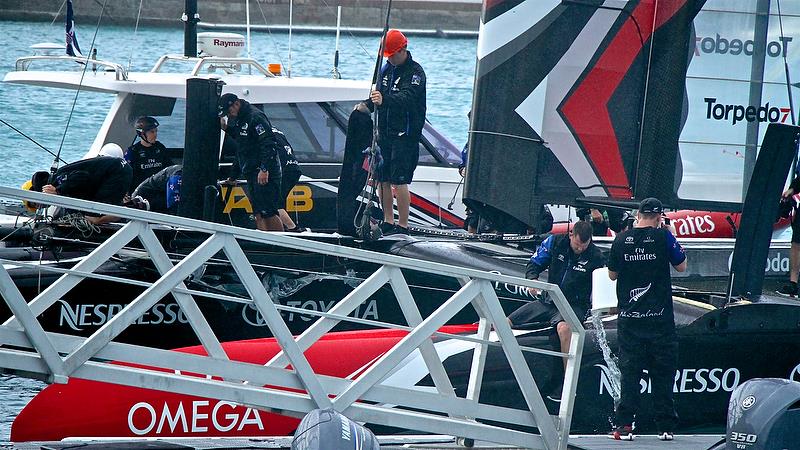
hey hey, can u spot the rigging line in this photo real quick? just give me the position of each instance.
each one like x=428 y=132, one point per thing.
x=58 y=13
x=350 y=32
x=30 y=139
x=135 y=34
x=367 y=213
x=271 y=37
x=788 y=86
x=513 y=136
x=78 y=90
x=786 y=68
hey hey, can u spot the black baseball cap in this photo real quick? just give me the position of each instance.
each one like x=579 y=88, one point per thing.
x=39 y=179
x=225 y=102
x=651 y=205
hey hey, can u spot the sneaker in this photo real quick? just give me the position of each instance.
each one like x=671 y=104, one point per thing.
x=789 y=289
x=622 y=433
x=396 y=229
x=297 y=229
x=386 y=228
x=666 y=435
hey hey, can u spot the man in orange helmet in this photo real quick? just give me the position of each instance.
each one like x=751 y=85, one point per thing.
x=400 y=99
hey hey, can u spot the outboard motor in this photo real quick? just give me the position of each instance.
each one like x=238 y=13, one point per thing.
x=326 y=429
x=763 y=414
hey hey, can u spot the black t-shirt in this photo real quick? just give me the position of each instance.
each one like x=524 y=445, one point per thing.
x=641 y=257
x=102 y=179
x=289 y=162
x=146 y=161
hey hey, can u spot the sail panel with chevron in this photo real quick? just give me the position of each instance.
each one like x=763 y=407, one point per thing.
x=609 y=102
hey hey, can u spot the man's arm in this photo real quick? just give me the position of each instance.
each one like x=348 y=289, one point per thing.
x=540 y=259
x=677 y=256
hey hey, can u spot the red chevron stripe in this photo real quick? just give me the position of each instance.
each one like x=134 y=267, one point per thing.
x=586 y=110
x=435 y=210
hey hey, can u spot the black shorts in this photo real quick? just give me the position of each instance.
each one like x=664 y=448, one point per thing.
x=400 y=157
x=796 y=228
x=265 y=199
x=288 y=180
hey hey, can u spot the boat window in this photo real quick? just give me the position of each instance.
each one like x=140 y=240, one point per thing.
x=171 y=129
x=313 y=131
x=433 y=148
x=438 y=143
x=169 y=112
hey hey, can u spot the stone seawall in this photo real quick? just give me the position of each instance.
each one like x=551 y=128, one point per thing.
x=461 y=15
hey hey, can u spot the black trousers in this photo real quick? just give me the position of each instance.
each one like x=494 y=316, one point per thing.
x=659 y=355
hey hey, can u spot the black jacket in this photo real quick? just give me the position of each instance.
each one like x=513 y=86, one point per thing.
x=256 y=147
x=146 y=161
x=102 y=179
x=155 y=189
x=571 y=272
x=402 y=112
x=285 y=153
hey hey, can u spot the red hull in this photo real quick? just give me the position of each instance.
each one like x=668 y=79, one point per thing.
x=84 y=408
x=697 y=224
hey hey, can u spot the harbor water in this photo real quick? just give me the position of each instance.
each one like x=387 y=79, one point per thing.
x=44 y=113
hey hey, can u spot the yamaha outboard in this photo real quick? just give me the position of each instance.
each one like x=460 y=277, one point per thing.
x=763 y=414
x=326 y=429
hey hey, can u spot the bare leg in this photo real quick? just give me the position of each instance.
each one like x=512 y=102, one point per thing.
x=387 y=203
x=565 y=336
x=403 y=204
x=271 y=223
x=794 y=262
x=288 y=223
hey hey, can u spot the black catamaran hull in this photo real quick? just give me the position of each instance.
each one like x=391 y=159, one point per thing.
x=749 y=341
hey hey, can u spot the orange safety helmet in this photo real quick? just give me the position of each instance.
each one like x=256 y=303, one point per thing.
x=395 y=40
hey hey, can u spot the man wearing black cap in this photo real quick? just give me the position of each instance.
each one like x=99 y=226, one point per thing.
x=257 y=158
x=639 y=260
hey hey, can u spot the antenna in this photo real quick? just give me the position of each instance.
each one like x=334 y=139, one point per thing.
x=291 y=13
x=247 y=12
x=336 y=73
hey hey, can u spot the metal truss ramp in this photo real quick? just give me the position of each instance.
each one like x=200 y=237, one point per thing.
x=288 y=383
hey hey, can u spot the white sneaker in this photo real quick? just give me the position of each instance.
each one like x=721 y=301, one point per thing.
x=666 y=436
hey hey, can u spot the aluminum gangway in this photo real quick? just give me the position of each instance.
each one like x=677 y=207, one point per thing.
x=27 y=348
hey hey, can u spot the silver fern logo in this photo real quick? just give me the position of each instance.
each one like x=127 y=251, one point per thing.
x=637 y=293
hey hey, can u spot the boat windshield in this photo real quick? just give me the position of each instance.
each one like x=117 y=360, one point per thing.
x=315 y=130
x=434 y=149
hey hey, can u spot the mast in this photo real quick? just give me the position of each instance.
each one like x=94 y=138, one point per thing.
x=190 y=19
x=756 y=89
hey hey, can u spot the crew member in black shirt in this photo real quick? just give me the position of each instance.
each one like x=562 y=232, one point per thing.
x=401 y=101
x=290 y=175
x=569 y=261
x=102 y=179
x=147 y=156
x=640 y=261
x=256 y=158
x=162 y=191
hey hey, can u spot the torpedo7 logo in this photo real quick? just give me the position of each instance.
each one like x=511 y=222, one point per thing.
x=739 y=113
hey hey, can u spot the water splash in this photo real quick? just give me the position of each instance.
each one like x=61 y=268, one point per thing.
x=613 y=374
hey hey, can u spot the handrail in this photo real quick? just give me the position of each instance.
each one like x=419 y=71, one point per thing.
x=24 y=63
x=31 y=350
x=214 y=62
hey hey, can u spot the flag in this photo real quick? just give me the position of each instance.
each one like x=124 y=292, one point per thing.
x=73 y=49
